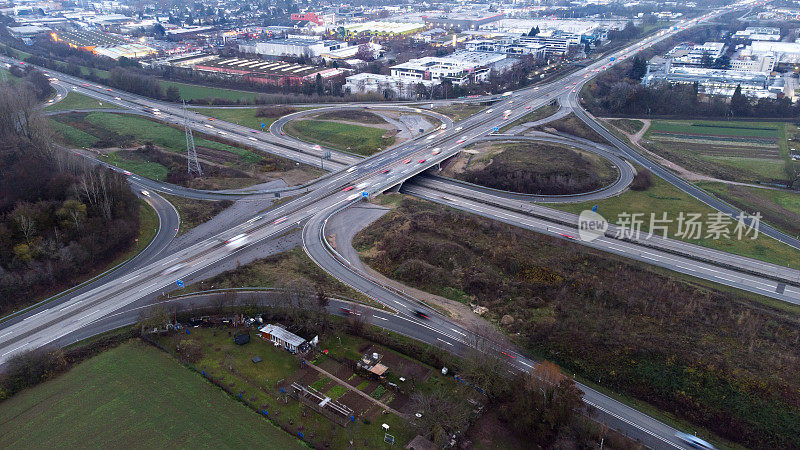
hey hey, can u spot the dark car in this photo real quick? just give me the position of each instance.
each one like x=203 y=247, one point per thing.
x=421 y=314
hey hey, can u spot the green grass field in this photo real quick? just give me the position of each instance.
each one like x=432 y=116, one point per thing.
x=341 y=136
x=730 y=150
x=663 y=197
x=778 y=208
x=73 y=100
x=196 y=92
x=241 y=116
x=133 y=396
x=533 y=116
x=459 y=111
x=143 y=130
x=139 y=166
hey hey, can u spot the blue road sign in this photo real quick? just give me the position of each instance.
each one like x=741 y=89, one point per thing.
x=179 y=283
x=263 y=125
x=594 y=208
x=365 y=194
x=496 y=129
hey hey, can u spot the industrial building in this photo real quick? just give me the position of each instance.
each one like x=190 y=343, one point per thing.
x=689 y=54
x=459 y=68
x=259 y=70
x=293 y=45
x=783 y=52
x=758 y=34
x=460 y=21
x=104 y=44
x=509 y=46
x=383 y=27
x=713 y=81
x=363 y=83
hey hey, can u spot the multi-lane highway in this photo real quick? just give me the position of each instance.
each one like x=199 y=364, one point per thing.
x=318 y=203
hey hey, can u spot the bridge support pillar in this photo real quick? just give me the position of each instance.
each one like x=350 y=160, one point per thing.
x=395 y=188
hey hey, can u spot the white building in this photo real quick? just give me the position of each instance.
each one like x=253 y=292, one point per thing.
x=459 y=68
x=508 y=46
x=692 y=55
x=753 y=63
x=382 y=84
x=759 y=34
x=293 y=45
x=783 y=52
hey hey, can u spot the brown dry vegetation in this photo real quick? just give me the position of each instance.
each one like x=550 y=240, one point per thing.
x=570 y=124
x=538 y=168
x=720 y=360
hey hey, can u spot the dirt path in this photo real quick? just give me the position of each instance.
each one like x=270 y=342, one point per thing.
x=351 y=388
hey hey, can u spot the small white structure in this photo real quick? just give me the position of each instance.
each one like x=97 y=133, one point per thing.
x=283 y=338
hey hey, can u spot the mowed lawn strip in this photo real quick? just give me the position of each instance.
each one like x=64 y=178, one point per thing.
x=341 y=136
x=73 y=100
x=195 y=92
x=241 y=116
x=132 y=396
x=663 y=197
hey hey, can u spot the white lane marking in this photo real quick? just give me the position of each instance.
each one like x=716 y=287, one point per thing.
x=440 y=339
x=458 y=332
x=381 y=318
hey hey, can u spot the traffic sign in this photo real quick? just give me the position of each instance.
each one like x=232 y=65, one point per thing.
x=179 y=283
x=496 y=129
x=365 y=194
x=263 y=125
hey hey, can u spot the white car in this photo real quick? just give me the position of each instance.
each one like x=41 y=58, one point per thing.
x=237 y=241
x=146 y=194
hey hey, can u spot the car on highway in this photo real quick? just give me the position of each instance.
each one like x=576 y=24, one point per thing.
x=84 y=84
x=385 y=170
x=348 y=188
x=406 y=161
x=528 y=107
x=238 y=241
x=460 y=141
x=211 y=119
x=252 y=138
x=173 y=268
x=693 y=441
x=507 y=354
x=421 y=314
x=348 y=311
x=421 y=161
x=281 y=220
x=117 y=98
x=568 y=236
x=207 y=125
x=109 y=89
x=146 y=194
x=254 y=131
x=283 y=133
x=126 y=172
x=436 y=151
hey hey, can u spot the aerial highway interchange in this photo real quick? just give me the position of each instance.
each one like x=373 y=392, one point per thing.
x=115 y=300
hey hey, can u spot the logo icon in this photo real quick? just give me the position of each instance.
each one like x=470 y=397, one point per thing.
x=591 y=225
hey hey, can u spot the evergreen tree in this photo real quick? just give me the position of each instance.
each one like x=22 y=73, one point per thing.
x=638 y=69
x=740 y=105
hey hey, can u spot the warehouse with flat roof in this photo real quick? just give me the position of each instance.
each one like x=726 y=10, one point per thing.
x=263 y=71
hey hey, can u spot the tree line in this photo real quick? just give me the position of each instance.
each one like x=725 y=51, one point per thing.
x=60 y=218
